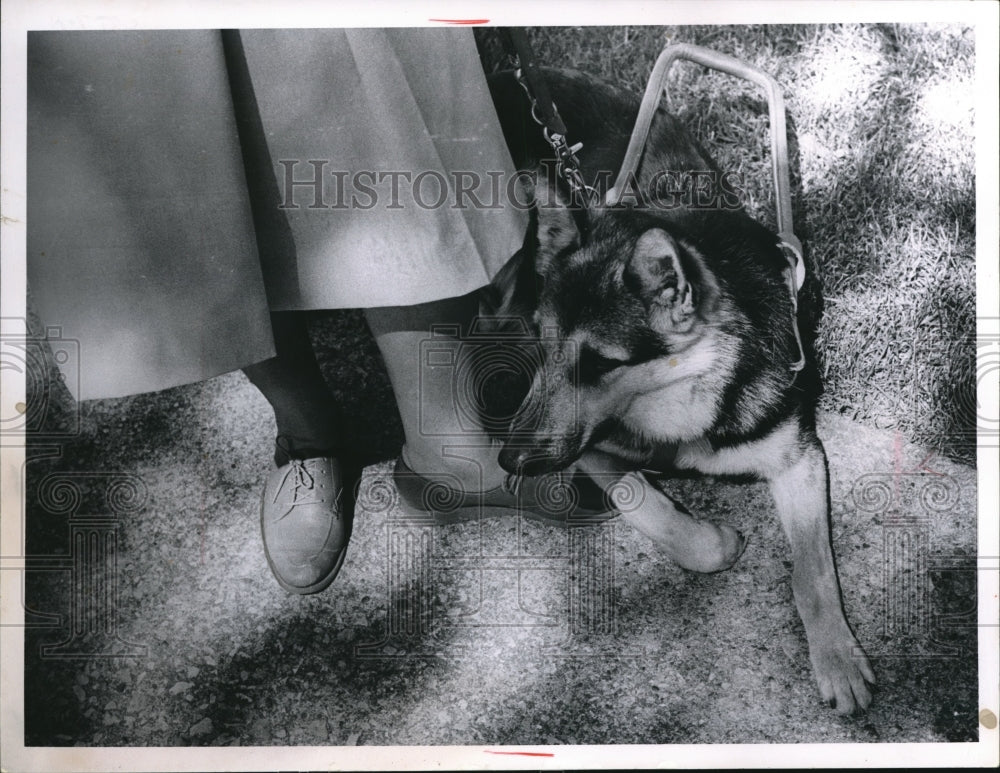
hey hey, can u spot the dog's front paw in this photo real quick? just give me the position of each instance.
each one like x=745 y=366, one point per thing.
x=843 y=673
x=716 y=547
x=700 y=546
x=694 y=544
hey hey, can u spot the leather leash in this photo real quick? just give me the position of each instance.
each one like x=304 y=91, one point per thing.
x=546 y=114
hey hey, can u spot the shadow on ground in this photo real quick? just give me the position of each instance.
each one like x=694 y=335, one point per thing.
x=500 y=632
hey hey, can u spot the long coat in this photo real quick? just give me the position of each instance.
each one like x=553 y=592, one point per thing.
x=182 y=184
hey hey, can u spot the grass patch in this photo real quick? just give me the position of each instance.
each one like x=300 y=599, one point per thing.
x=881 y=132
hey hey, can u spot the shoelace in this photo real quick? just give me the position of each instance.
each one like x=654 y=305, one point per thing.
x=303 y=480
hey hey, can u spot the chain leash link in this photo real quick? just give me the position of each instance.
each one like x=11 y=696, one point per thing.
x=567 y=163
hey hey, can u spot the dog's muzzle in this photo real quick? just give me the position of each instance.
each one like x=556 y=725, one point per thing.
x=532 y=460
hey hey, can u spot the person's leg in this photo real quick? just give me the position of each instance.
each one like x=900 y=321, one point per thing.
x=307 y=507
x=439 y=439
x=445 y=443
x=309 y=421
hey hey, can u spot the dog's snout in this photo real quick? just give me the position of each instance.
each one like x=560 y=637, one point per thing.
x=532 y=461
x=514 y=459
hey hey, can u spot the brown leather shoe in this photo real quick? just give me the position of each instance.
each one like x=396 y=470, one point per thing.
x=306 y=516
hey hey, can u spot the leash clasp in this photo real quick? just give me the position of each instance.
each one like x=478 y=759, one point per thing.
x=545 y=113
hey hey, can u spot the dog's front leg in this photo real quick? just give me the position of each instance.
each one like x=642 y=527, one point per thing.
x=841 y=668
x=692 y=543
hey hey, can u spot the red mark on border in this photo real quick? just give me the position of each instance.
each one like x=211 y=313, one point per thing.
x=461 y=21
x=523 y=754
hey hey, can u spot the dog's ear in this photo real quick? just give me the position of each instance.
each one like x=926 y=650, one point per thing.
x=655 y=273
x=557 y=229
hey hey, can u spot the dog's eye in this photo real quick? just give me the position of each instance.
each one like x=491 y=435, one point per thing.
x=593 y=364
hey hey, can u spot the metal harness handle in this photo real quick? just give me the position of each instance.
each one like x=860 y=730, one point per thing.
x=656 y=88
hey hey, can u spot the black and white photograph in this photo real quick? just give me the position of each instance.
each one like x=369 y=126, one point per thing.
x=462 y=387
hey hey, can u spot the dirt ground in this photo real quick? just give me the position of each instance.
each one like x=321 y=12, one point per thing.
x=499 y=632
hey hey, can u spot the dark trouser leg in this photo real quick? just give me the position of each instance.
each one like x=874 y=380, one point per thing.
x=309 y=422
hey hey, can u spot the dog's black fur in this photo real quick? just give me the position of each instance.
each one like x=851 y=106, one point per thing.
x=748 y=263
x=674 y=341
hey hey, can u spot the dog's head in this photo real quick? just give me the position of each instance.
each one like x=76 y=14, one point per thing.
x=620 y=317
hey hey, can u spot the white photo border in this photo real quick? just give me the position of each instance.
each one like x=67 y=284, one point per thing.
x=19 y=16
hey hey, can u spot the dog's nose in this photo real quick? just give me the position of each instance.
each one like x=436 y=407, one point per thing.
x=513 y=459
x=528 y=461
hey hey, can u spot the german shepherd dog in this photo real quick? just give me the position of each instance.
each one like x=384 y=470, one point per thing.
x=672 y=350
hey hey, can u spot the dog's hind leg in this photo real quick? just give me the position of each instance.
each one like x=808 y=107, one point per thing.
x=694 y=544
x=840 y=665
